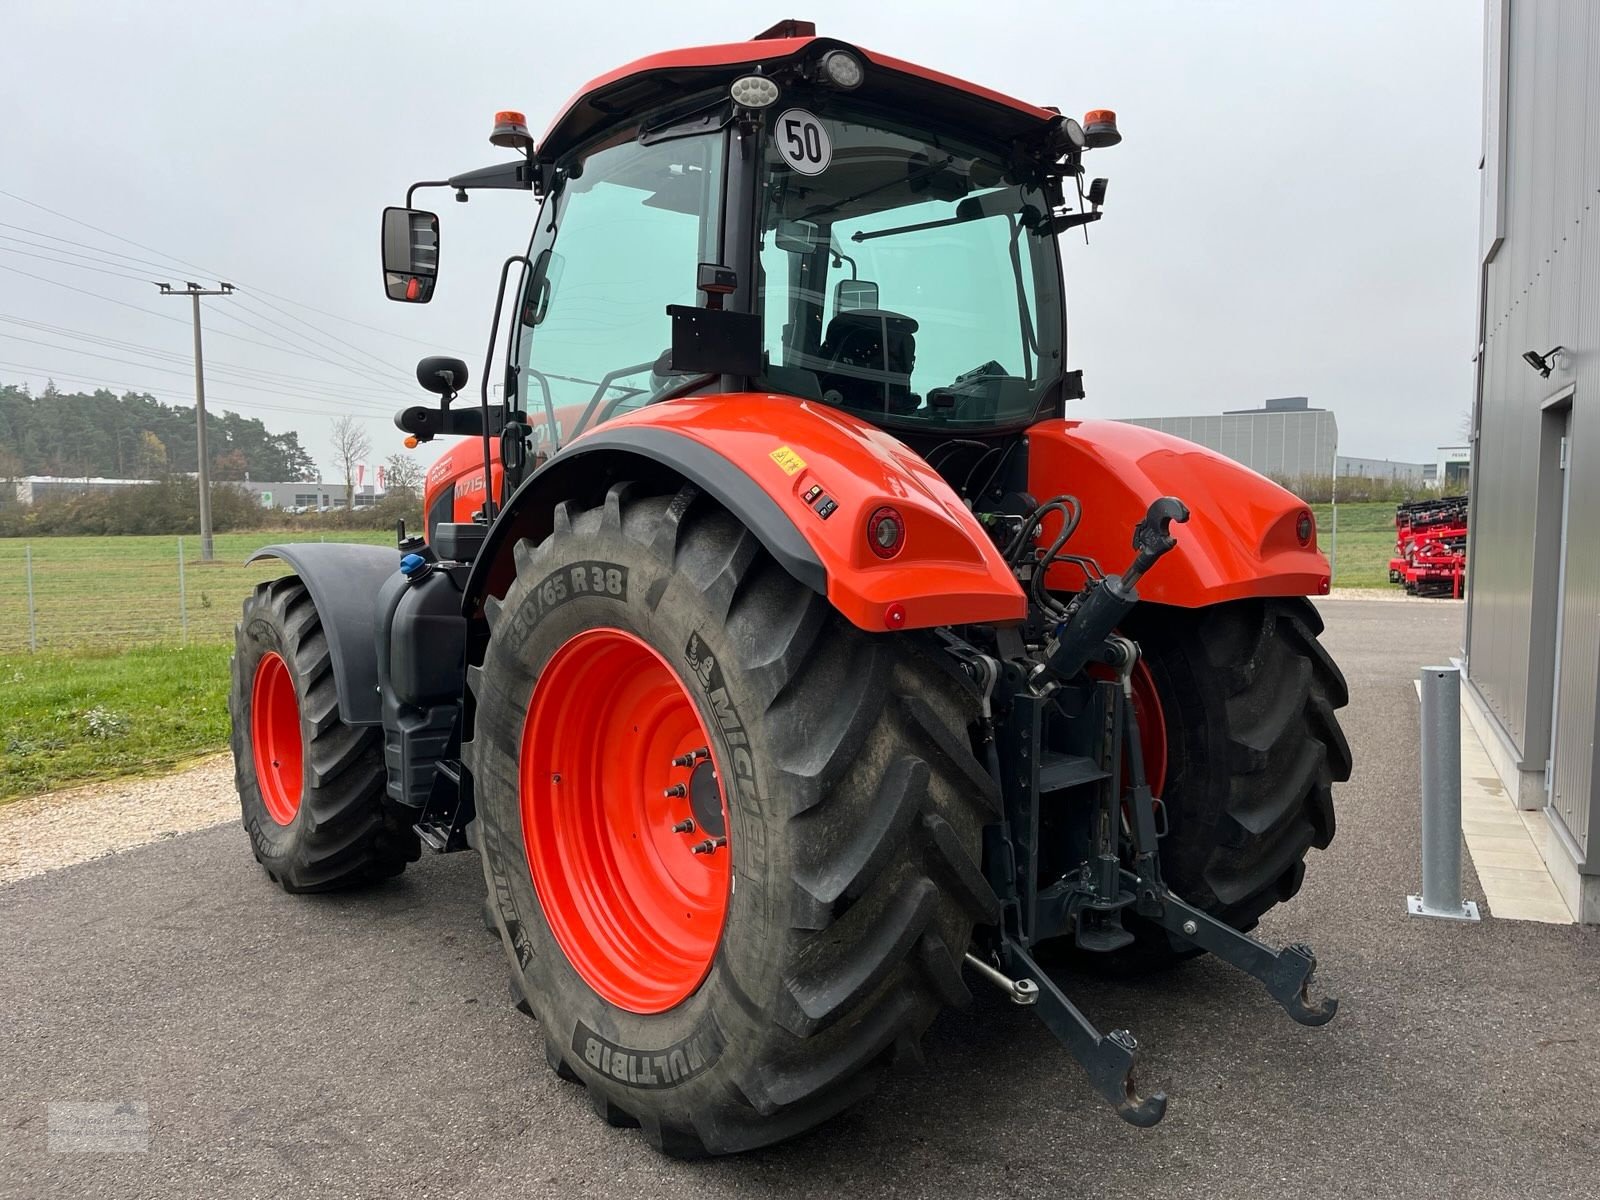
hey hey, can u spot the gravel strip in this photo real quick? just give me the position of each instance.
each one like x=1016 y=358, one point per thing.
x=58 y=829
x=1394 y=595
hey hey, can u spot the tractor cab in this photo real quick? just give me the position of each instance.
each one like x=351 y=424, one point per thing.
x=792 y=216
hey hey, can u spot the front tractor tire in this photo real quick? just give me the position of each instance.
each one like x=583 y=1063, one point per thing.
x=1248 y=748
x=311 y=788
x=655 y=683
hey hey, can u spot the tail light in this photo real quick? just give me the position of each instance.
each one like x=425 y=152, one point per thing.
x=886 y=531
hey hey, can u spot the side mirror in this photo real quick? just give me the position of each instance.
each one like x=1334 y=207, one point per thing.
x=852 y=294
x=441 y=375
x=410 y=254
x=797 y=237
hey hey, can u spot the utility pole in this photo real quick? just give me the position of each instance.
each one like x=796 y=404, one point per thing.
x=194 y=291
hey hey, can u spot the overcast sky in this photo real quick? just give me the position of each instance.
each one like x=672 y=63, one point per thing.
x=1293 y=210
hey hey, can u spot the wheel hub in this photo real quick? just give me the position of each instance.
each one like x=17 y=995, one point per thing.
x=705 y=800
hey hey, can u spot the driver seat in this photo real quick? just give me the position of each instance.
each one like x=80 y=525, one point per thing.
x=870 y=353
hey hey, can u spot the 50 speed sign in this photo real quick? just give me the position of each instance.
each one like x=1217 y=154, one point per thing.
x=803 y=141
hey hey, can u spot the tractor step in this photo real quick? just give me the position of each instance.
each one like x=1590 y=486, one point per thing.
x=1057 y=772
x=442 y=827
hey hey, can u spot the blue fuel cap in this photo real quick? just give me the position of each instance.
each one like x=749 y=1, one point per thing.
x=411 y=564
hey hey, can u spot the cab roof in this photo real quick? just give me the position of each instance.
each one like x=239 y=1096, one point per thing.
x=651 y=82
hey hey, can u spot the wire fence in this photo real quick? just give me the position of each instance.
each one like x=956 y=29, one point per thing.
x=76 y=593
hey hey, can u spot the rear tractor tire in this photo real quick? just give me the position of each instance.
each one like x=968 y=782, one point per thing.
x=311 y=788
x=731 y=842
x=1244 y=700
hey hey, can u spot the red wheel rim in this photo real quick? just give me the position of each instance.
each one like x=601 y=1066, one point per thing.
x=637 y=912
x=275 y=737
x=1152 y=726
x=1152 y=721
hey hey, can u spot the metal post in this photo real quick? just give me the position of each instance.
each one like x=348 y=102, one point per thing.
x=1441 y=799
x=201 y=454
x=194 y=292
x=33 y=624
x=1333 y=532
x=183 y=600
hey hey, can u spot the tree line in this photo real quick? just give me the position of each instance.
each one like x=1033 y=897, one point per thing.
x=135 y=436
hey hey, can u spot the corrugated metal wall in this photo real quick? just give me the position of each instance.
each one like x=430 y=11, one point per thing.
x=1286 y=444
x=1541 y=289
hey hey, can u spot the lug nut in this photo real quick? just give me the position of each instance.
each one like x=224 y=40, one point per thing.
x=684 y=826
x=676 y=789
x=709 y=846
x=689 y=759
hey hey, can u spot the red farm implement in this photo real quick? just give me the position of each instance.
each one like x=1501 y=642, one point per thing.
x=1431 y=546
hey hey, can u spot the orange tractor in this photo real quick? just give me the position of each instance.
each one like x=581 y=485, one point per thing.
x=790 y=659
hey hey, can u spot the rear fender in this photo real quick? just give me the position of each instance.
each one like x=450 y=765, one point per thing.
x=761 y=456
x=344 y=582
x=1240 y=540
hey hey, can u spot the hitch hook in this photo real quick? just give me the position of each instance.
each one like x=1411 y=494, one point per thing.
x=1107 y=1058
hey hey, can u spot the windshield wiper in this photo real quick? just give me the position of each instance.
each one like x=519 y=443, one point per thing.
x=1006 y=202
x=872 y=191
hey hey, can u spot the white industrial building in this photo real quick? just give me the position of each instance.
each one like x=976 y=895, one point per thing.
x=1286 y=438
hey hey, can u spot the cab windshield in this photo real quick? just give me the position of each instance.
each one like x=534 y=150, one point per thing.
x=902 y=278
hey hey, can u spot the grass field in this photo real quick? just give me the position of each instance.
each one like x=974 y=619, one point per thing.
x=120 y=688
x=75 y=716
x=101 y=592
x=1364 y=546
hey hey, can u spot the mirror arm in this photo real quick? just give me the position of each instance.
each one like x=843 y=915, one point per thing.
x=525 y=175
x=423 y=183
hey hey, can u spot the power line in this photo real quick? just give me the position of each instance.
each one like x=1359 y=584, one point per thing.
x=84 y=292
x=100 y=250
x=361 y=367
x=281 y=344
x=256 y=297
x=145 y=389
x=382 y=364
x=337 y=388
x=156 y=352
x=75 y=266
x=263 y=291
x=360 y=370
x=253 y=387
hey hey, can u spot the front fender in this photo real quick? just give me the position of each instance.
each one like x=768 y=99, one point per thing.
x=1240 y=540
x=761 y=456
x=344 y=581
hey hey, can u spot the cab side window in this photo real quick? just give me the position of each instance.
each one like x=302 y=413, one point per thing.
x=630 y=231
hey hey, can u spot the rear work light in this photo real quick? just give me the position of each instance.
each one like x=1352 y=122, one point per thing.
x=754 y=91
x=1304 y=527
x=886 y=531
x=841 y=68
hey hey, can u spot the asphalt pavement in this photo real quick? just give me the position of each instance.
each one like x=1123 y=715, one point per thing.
x=363 y=1045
